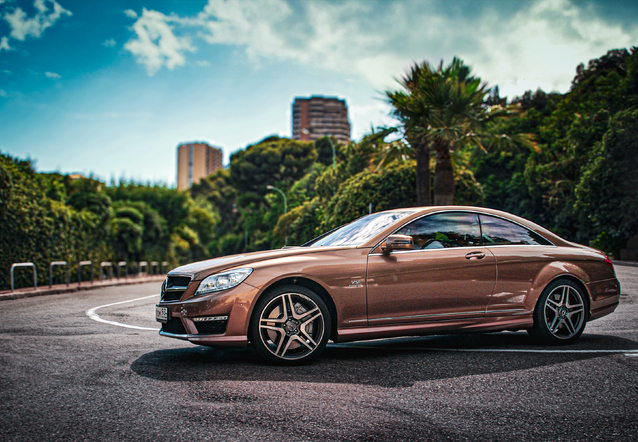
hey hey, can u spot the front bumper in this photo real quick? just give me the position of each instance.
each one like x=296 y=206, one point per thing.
x=211 y=340
x=235 y=303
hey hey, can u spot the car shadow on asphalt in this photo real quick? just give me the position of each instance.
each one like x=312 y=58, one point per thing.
x=388 y=363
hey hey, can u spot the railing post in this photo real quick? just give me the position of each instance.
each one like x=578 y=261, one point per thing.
x=154 y=264
x=164 y=269
x=80 y=265
x=58 y=263
x=140 y=265
x=119 y=267
x=106 y=264
x=25 y=264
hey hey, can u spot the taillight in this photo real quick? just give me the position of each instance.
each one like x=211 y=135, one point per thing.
x=609 y=263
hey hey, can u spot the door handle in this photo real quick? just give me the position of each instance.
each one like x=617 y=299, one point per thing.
x=475 y=255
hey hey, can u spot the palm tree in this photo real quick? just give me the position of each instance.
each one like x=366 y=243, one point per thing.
x=442 y=108
x=409 y=110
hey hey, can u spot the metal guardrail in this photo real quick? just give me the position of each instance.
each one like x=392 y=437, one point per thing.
x=119 y=267
x=103 y=265
x=155 y=268
x=139 y=267
x=82 y=264
x=24 y=264
x=58 y=263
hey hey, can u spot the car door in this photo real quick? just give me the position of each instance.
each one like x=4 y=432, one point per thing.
x=448 y=275
x=520 y=255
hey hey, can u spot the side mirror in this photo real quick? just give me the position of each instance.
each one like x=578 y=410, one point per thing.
x=397 y=242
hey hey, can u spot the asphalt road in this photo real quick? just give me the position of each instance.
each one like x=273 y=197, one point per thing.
x=64 y=376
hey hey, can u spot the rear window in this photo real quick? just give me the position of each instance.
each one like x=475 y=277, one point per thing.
x=499 y=232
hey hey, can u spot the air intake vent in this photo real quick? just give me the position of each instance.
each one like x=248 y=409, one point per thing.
x=177 y=281
x=174 y=287
x=174 y=326
x=211 y=327
x=172 y=295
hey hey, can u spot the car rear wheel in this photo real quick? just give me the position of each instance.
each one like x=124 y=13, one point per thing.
x=561 y=313
x=290 y=325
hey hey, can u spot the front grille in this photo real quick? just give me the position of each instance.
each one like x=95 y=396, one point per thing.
x=174 y=326
x=211 y=327
x=177 y=281
x=172 y=295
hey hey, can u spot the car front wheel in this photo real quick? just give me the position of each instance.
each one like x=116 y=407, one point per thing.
x=290 y=325
x=561 y=313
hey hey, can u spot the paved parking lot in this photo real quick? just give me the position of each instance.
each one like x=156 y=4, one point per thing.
x=65 y=376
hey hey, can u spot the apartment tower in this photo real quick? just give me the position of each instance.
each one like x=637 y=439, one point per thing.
x=316 y=117
x=195 y=161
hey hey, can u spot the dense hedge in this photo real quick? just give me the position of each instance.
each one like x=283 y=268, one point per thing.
x=51 y=217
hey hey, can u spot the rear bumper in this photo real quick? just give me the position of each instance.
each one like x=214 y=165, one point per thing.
x=604 y=308
x=605 y=297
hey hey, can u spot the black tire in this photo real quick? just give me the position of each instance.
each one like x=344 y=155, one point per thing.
x=560 y=315
x=290 y=325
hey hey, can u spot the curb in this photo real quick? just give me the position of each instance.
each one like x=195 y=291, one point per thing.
x=30 y=292
x=625 y=263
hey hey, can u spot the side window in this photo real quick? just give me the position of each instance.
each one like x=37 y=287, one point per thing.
x=444 y=230
x=498 y=232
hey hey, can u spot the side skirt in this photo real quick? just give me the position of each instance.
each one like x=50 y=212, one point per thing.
x=388 y=331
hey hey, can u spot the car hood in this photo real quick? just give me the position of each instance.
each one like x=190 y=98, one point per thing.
x=199 y=270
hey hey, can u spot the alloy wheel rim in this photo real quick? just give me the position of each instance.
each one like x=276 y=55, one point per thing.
x=564 y=312
x=291 y=326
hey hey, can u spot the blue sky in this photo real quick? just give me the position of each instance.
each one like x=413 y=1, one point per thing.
x=111 y=88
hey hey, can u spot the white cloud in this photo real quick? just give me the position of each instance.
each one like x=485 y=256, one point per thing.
x=4 y=44
x=538 y=44
x=109 y=43
x=23 y=26
x=155 y=45
x=3 y=93
x=52 y=75
x=130 y=13
x=324 y=34
x=202 y=63
x=542 y=44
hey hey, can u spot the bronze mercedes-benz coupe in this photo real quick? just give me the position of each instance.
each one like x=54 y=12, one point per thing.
x=402 y=272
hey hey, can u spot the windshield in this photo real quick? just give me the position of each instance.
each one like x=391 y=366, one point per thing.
x=359 y=231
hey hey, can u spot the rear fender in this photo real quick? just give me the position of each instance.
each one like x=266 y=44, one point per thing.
x=551 y=272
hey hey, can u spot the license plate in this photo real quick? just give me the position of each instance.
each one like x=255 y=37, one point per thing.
x=161 y=314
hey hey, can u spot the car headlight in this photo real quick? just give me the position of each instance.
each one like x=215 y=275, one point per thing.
x=222 y=281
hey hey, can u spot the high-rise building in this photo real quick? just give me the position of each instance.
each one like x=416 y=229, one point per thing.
x=316 y=117
x=195 y=161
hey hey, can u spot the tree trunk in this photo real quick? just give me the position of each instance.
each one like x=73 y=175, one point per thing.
x=443 y=174
x=422 y=154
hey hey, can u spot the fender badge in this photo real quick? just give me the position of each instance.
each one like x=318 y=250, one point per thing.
x=355 y=283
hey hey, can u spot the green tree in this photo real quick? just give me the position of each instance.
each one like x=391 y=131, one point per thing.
x=569 y=137
x=607 y=194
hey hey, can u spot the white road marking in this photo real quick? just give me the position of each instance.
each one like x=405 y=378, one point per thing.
x=91 y=314
x=493 y=350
